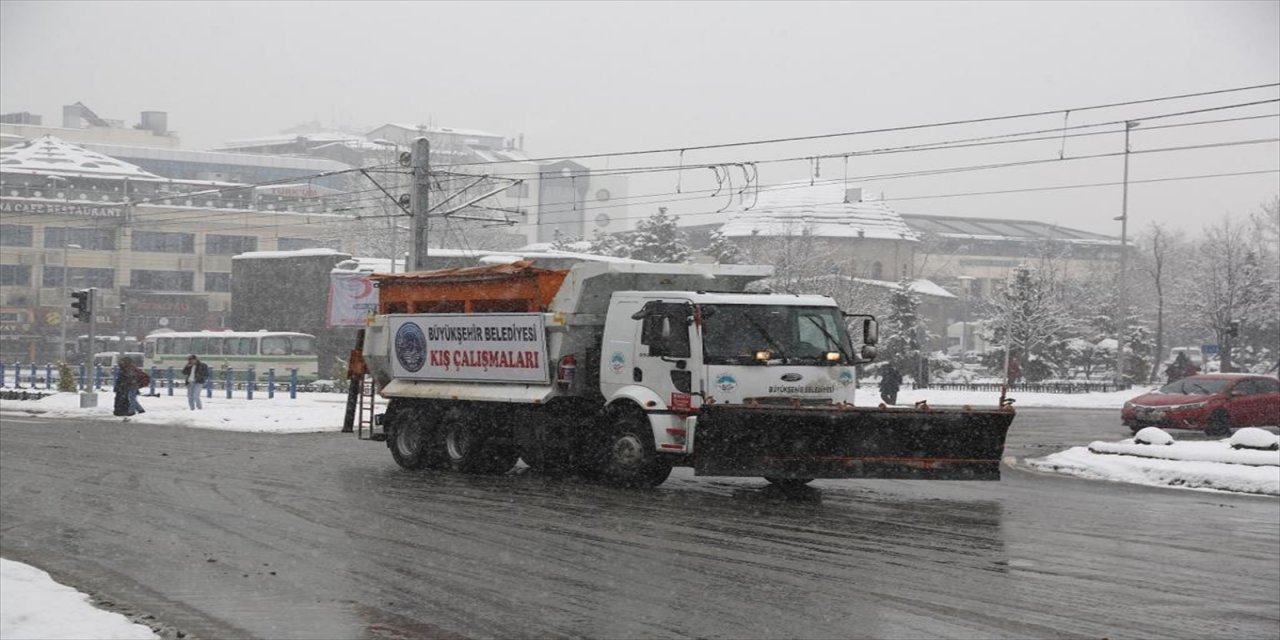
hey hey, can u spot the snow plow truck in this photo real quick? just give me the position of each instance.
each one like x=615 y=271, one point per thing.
x=620 y=371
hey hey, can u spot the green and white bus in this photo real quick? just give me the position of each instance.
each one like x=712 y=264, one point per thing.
x=239 y=350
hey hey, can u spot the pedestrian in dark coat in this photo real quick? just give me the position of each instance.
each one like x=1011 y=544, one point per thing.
x=1180 y=368
x=129 y=379
x=890 y=382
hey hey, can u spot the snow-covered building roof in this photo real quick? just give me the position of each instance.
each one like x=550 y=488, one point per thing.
x=922 y=287
x=820 y=211
x=434 y=129
x=970 y=228
x=48 y=155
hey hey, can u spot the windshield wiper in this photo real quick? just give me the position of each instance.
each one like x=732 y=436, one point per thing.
x=830 y=337
x=764 y=334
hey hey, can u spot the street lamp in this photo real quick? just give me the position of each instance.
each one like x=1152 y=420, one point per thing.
x=965 y=284
x=66 y=284
x=1124 y=255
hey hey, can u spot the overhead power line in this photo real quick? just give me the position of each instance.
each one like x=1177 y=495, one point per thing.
x=947 y=123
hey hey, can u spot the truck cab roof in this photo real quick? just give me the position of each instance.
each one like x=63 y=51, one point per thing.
x=718 y=297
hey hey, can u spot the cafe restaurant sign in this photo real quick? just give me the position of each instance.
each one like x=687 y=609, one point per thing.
x=60 y=208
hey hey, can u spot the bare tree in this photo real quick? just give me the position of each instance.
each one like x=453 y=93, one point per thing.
x=1162 y=245
x=1228 y=290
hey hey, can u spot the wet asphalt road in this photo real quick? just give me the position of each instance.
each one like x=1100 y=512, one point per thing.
x=225 y=534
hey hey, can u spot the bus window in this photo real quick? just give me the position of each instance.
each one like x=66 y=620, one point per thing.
x=249 y=346
x=200 y=346
x=236 y=346
x=275 y=346
x=181 y=346
x=164 y=345
x=149 y=349
x=215 y=346
x=302 y=346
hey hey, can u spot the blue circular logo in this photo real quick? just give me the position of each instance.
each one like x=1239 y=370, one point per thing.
x=726 y=382
x=411 y=347
x=846 y=377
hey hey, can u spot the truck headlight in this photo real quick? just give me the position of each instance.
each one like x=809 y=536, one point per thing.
x=833 y=356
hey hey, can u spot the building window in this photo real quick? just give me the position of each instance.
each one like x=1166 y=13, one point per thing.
x=15 y=275
x=877 y=271
x=229 y=245
x=15 y=235
x=164 y=242
x=293 y=244
x=162 y=280
x=80 y=277
x=215 y=281
x=92 y=239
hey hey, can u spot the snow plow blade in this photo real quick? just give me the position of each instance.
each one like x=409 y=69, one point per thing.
x=908 y=444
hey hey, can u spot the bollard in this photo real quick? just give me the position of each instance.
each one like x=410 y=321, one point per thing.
x=83 y=373
x=154 y=374
x=248 y=384
x=97 y=376
x=33 y=375
x=271 y=383
x=293 y=384
x=170 y=372
x=228 y=381
x=208 y=386
x=1 y=374
x=17 y=375
x=48 y=376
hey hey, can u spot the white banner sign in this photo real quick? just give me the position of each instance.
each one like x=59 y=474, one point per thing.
x=352 y=299
x=488 y=347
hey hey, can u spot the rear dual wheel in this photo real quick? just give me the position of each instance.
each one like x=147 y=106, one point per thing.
x=471 y=449
x=413 y=440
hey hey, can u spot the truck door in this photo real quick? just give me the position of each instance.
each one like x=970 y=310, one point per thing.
x=666 y=357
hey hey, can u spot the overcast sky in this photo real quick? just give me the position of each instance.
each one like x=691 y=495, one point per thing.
x=581 y=77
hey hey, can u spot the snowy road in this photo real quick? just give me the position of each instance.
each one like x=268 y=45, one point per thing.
x=316 y=535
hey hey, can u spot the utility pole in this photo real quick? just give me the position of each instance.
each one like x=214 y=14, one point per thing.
x=66 y=284
x=418 y=201
x=1124 y=260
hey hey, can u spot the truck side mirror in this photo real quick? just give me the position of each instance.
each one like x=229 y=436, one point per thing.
x=870 y=332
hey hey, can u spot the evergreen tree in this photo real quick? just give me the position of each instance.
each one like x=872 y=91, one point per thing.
x=607 y=244
x=1027 y=317
x=724 y=250
x=564 y=242
x=66 y=378
x=903 y=331
x=658 y=240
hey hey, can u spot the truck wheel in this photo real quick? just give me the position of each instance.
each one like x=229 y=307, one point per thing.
x=789 y=484
x=411 y=441
x=629 y=457
x=470 y=451
x=1219 y=424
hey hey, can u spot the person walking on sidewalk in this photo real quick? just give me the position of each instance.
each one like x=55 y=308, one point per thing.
x=196 y=374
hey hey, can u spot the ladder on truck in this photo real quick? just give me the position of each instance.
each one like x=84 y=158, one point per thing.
x=362 y=398
x=366 y=409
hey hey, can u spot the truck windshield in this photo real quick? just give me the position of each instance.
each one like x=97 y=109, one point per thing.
x=735 y=333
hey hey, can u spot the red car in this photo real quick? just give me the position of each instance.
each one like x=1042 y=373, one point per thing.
x=1215 y=403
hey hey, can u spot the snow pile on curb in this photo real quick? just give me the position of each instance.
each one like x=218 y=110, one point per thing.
x=1213 y=465
x=32 y=605
x=1209 y=451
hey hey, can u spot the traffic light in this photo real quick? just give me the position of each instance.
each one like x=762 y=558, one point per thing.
x=82 y=302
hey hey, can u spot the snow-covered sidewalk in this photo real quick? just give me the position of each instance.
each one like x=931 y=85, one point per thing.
x=34 y=607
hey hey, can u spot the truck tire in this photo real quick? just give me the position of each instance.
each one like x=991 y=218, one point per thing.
x=413 y=440
x=469 y=448
x=628 y=456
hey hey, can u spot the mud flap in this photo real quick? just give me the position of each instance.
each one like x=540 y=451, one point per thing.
x=912 y=444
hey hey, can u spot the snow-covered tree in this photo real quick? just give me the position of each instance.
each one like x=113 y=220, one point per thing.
x=1157 y=264
x=724 y=250
x=1232 y=295
x=607 y=244
x=657 y=239
x=903 y=333
x=1026 y=316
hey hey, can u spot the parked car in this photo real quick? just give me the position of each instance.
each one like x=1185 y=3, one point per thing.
x=1215 y=403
